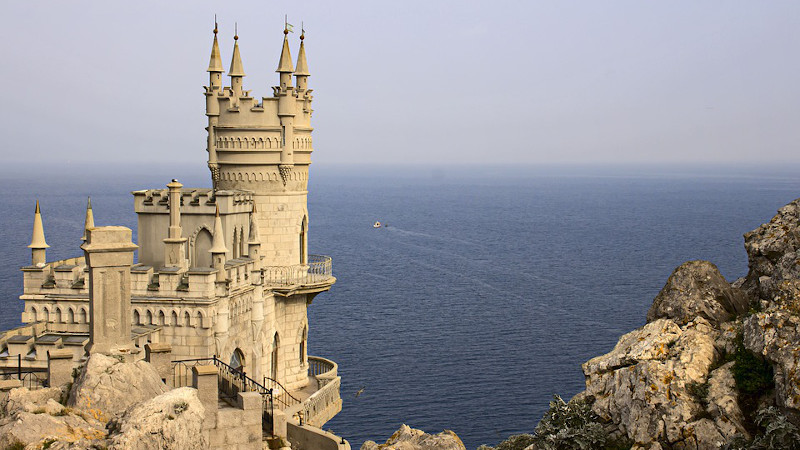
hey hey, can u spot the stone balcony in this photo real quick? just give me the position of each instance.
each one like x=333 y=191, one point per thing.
x=311 y=278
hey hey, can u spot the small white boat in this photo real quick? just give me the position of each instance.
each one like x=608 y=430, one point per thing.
x=376 y=225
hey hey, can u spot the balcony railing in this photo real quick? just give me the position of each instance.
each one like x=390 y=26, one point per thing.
x=319 y=269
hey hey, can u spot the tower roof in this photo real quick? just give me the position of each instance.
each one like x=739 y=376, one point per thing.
x=89 y=223
x=215 y=64
x=285 y=64
x=236 y=62
x=37 y=240
x=302 y=65
x=218 y=244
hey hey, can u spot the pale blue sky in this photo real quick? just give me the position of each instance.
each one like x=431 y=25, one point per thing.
x=419 y=82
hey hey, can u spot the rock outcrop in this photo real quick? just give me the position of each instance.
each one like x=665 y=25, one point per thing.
x=677 y=382
x=142 y=413
x=697 y=289
x=107 y=386
x=407 y=438
x=36 y=417
x=173 y=420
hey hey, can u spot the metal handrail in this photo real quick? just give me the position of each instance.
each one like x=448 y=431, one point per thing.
x=319 y=268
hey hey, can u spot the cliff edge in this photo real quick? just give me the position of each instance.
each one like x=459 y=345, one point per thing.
x=716 y=366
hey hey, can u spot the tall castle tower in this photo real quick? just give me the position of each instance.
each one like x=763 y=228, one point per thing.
x=264 y=146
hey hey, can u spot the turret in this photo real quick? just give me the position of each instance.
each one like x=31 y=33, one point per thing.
x=301 y=72
x=89 y=222
x=236 y=71
x=215 y=64
x=218 y=249
x=38 y=245
x=175 y=243
x=212 y=105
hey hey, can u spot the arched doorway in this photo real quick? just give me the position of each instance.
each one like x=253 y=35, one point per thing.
x=237 y=360
x=202 y=244
x=303 y=227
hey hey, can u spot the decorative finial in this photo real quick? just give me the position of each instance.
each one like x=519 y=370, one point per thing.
x=89 y=203
x=302 y=31
x=287 y=27
x=216 y=28
x=235 y=31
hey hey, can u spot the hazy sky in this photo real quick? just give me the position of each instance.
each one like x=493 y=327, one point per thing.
x=420 y=82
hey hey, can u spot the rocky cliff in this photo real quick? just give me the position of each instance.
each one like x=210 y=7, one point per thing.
x=717 y=365
x=110 y=405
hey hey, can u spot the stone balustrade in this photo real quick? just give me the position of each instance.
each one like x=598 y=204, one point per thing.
x=318 y=270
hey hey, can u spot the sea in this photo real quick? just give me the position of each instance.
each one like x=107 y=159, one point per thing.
x=484 y=291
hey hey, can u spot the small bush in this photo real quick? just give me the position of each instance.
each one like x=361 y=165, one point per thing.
x=776 y=433
x=573 y=425
x=16 y=446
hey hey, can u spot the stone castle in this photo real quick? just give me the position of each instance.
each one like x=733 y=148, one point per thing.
x=223 y=276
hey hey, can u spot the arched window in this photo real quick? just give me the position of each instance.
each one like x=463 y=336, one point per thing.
x=235 y=243
x=187 y=320
x=161 y=318
x=303 y=226
x=174 y=319
x=149 y=318
x=136 y=318
x=274 y=368
x=82 y=316
x=71 y=315
x=58 y=315
x=241 y=241
x=199 y=319
x=303 y=339
x=46 y=314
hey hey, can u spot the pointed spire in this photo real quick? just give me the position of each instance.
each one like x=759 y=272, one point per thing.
x=302 y=65
x=37 y=240
x=218 y=244
x=254 y=238
x=215 y=64
x=89 y=223
x=236 y=62
x=285 y=64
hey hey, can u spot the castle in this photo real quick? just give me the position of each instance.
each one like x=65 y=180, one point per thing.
x=223 y=273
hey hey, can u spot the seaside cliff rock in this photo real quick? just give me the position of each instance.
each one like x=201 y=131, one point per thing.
x=407 y=438
x=689 y=379
x=111 y=404
x=106 y=386
x=716 y=366
x=171 y=420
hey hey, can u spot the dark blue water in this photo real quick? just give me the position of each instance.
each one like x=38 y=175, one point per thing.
x=486 y=292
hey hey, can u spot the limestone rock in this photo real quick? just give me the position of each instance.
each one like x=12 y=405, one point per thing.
x=107 y=386
x=772 y=252
x=35 y=417
x=775 y=334
x=642 y=385
x=696 y=288
x=723 y=404
x=407 y=438
x=23 y=399
x=173 y=420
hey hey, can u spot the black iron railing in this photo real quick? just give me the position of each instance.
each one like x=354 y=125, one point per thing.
x=231 y=381
x=30 y=377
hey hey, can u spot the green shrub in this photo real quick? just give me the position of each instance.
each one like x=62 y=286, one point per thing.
x=776 y=433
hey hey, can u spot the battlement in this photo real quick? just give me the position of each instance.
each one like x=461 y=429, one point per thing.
x=194 y=201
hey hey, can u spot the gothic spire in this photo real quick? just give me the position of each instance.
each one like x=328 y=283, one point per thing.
x=215 y=64
x=302 y=65
x=89 y=223
x=218 y=244
x=285 y=64
x=37 y=240
x=236 y=69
